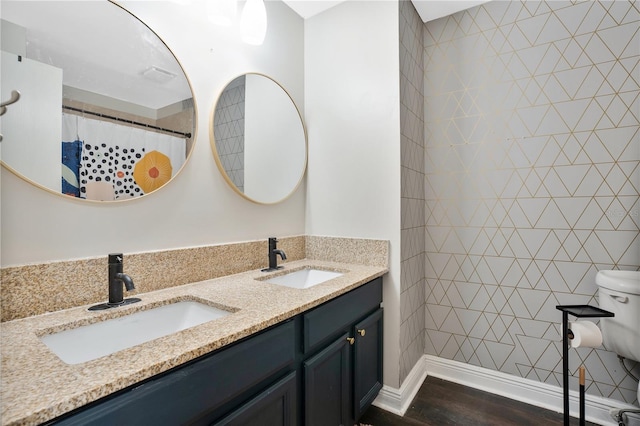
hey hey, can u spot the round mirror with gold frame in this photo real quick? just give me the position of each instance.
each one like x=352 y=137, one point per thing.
x=258 y=139
x=106 y=112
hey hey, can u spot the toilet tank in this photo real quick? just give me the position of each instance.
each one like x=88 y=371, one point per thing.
x=619 y=292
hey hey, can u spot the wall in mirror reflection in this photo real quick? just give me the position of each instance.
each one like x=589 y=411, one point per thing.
x=259 y=139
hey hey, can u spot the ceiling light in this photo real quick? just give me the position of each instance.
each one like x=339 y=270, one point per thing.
x=253 y=22
x=222 y=12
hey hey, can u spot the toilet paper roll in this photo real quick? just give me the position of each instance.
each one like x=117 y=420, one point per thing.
x=585 y=334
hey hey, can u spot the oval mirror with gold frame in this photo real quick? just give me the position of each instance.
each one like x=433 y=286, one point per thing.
x=106 y=112
x=258 y=139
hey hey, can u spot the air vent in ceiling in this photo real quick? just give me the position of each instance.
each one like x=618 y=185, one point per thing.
x=158 y=75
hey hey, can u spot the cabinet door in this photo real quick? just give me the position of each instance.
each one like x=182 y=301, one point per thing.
x=367 y=371
x=327 y=382
x=276 y=406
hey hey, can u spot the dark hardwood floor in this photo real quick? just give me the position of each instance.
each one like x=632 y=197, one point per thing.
x=439 y=402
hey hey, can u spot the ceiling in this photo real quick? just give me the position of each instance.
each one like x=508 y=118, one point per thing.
x=427 y=9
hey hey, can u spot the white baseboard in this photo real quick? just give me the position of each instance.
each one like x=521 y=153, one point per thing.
x=397 y=401
x=525 y=390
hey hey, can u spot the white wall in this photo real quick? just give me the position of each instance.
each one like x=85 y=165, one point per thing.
x=40 y=94
x=197 y=207
x=353 y=124
x=272 y=126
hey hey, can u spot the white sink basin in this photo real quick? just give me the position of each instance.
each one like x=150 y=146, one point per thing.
x=93 y=341
x=304 y=278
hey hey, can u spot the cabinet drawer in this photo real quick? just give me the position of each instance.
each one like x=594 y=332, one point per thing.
x=336 y=316
x=187 y=394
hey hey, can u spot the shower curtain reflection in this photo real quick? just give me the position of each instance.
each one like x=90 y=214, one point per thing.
x=116 y=161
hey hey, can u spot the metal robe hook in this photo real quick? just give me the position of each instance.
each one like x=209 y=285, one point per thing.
x=15 y=97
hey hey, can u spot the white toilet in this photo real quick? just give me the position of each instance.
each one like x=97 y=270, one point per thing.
x=619 y=292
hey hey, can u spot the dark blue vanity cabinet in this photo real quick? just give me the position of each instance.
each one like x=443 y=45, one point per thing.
x=342 y=344
x=322 y=367
x=202 y=390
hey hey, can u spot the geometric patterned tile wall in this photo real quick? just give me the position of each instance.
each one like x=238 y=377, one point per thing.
x=229 y=131
x=412 y=288
x=532 y=179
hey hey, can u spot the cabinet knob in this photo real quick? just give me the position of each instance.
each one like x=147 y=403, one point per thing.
x=362 y=332
x=351 y=340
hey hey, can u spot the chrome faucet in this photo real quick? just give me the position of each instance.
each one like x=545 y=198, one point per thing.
x=274 y=251
x=116 y=280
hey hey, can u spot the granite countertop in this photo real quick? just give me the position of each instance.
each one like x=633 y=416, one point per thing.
x=37 y=386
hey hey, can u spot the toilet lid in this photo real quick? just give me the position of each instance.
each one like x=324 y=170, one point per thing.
x=623 y=281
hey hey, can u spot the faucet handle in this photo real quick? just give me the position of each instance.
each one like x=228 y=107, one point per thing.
x=115 y=258
x=273 y=243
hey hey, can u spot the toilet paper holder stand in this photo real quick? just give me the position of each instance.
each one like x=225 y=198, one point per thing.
x=578 y=311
